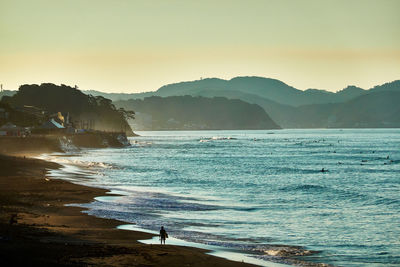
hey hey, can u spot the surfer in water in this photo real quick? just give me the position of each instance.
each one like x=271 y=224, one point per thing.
x=163 y=235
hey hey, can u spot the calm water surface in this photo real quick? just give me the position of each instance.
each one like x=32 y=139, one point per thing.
x=261 y=192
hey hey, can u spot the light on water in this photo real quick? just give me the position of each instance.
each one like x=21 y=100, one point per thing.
x=213 y=250
x=262 y=192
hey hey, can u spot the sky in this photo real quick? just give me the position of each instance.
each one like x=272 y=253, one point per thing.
x=137 y=46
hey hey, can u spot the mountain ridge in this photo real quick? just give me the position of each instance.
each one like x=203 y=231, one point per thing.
x=342 y=95
x=269 y=88
x=314 y=108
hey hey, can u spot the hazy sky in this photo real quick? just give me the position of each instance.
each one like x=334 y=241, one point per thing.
x=134 y=46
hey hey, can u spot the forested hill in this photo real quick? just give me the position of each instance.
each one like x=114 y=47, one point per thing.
x=81 y=107
x=196 y=113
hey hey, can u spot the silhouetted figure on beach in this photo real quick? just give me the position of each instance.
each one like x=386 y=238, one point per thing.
x=163 y=234
x=13 y=219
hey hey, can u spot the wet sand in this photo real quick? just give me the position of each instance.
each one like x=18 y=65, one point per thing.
x=48 y=233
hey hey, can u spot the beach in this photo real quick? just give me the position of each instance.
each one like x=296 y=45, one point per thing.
x=259 y=193
x=46 y=232
x=104 y=207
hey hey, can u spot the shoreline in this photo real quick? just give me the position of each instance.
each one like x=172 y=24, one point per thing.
x=50 y=233
x=212 y=250
x=30 y=236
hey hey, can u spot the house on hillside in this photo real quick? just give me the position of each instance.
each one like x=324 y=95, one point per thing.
x=10 y=129
x=59 y=118
x=50 y=127
x=52 y=124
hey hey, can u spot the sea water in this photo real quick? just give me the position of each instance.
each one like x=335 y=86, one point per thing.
x=260 y=192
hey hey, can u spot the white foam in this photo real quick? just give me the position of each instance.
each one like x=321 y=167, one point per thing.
x=214 y=250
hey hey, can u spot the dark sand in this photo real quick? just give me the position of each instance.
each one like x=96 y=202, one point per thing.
x=47 y=233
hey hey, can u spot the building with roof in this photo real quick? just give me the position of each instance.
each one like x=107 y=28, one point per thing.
x=52 y=124
x=10 y=129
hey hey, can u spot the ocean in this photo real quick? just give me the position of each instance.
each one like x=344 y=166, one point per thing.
x=257 y=193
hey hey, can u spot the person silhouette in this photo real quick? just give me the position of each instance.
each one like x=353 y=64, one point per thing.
x=163 y=235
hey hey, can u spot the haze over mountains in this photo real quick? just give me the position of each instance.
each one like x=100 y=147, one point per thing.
x=293 y=108
x=286 y=106
x=268 y=88
x=196 y=113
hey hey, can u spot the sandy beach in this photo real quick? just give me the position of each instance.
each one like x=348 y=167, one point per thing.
x=45 y=232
